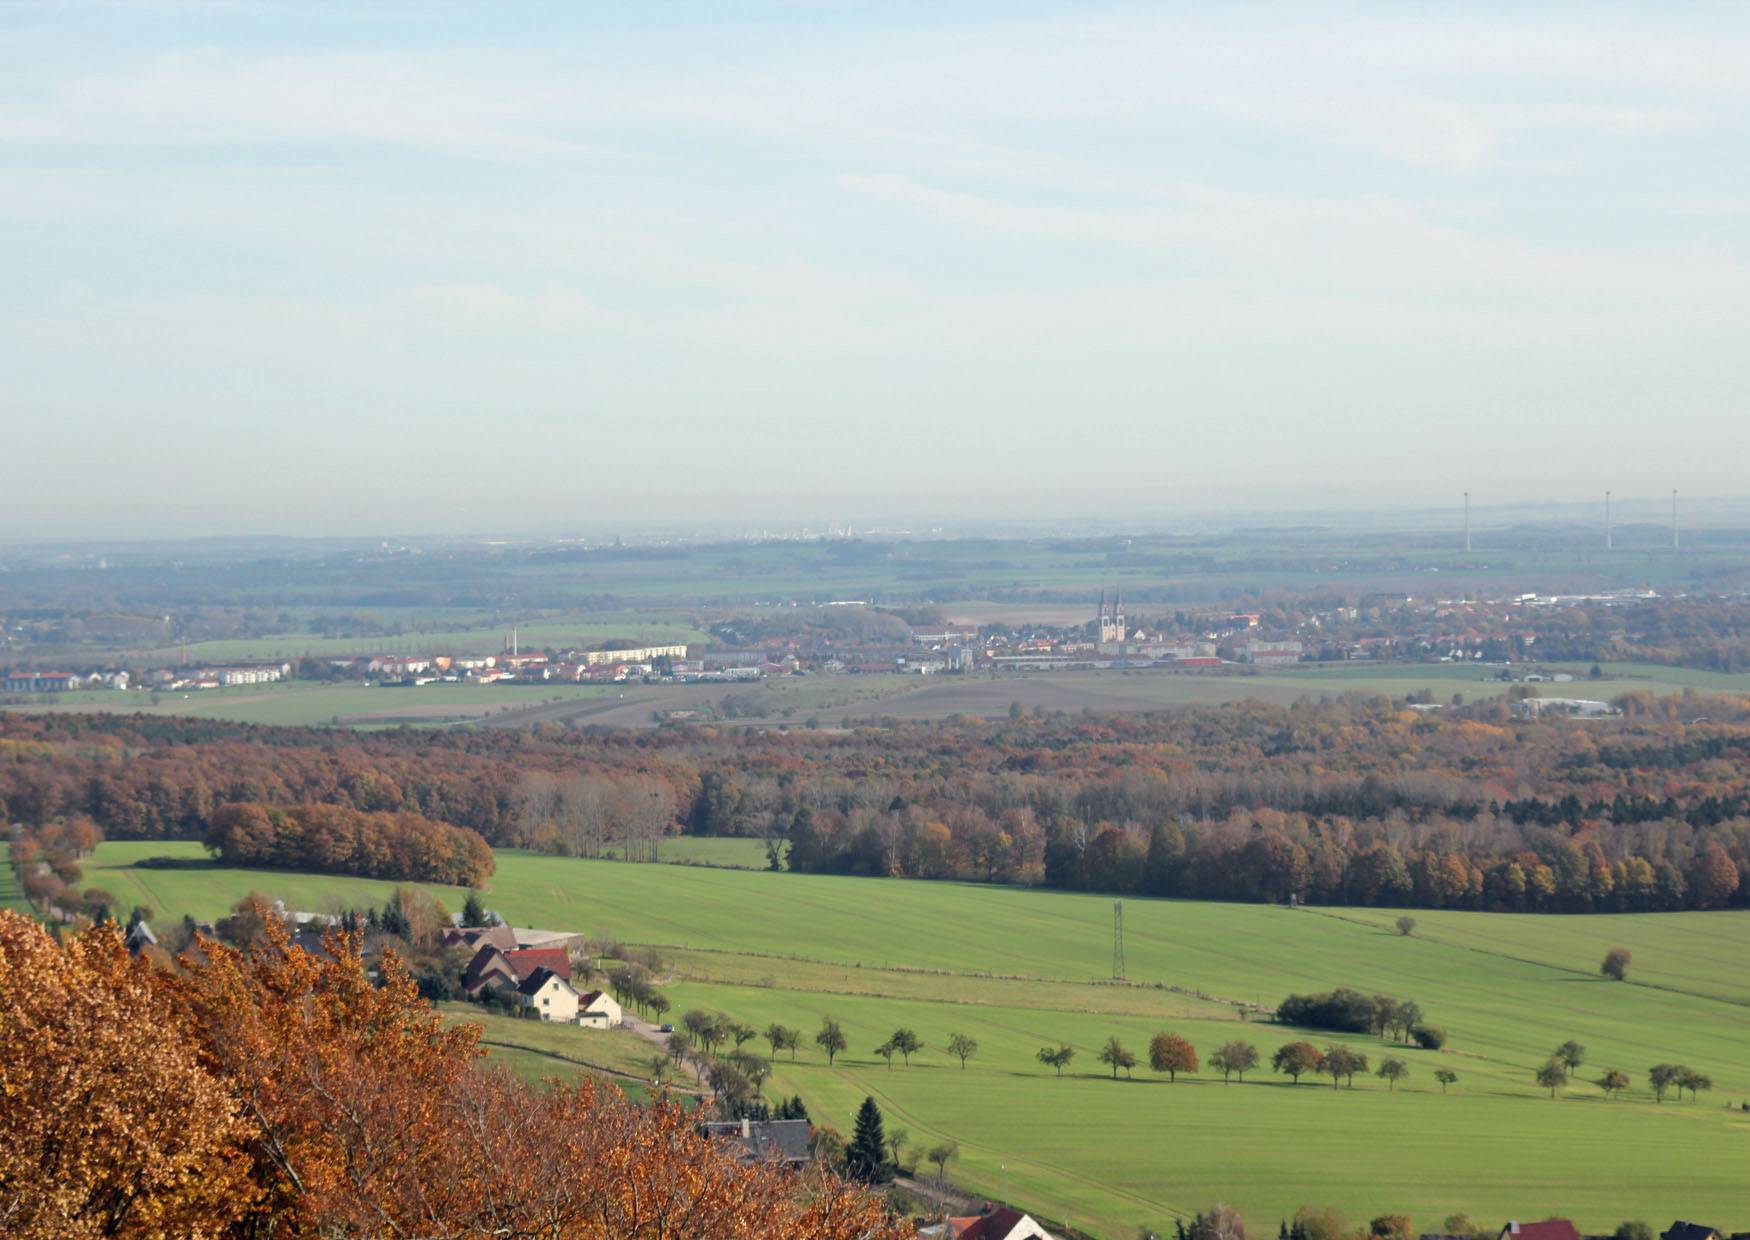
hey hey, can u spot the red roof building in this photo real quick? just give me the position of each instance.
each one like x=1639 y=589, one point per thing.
x=1549 y=1229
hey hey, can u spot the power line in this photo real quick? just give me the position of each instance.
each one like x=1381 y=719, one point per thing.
x=1118 y=940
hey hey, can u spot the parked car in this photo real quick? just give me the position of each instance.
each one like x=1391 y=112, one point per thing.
x=666 y=1029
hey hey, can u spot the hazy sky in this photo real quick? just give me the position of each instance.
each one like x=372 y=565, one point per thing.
x=320 y=268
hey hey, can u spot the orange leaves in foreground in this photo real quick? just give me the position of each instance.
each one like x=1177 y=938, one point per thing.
x=109 y=1122
x=276 y=1091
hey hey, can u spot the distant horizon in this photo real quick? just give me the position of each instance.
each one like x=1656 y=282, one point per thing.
x=1701 y=512
x=404 y=266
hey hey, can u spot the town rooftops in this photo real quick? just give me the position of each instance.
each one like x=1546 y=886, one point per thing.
x=1549 y=1229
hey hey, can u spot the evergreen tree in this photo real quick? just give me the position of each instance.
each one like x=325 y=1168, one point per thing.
x=866 y=1157
x=473 y=912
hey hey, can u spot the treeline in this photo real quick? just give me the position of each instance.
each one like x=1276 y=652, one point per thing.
x=1352 y=800
x=142 y=1104
x=336 y=839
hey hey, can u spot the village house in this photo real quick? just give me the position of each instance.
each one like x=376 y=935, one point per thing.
x=1002 y=1223
x=495 y=968
x=1681 y=1230
x=549 y=994
x=596 y=1009
x=774 y=1140
x=1549 y=1229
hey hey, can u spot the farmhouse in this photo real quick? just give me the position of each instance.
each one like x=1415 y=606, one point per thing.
x=775 y=1140
x=501 y=937
x=1681 y=1230
x=1549 y=1229
x=597 y=1010
x=550 y=995
x=496 y=968
x=1002 y=1223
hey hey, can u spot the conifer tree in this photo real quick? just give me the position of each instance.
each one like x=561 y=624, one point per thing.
x=866 y=1157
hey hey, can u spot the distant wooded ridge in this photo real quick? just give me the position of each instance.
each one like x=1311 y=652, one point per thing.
x=1345 y=801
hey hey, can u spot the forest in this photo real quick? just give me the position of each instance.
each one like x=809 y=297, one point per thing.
x=1352 y=800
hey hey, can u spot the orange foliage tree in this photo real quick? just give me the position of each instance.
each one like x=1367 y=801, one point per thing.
x=271 y=1089
x=110 y=1123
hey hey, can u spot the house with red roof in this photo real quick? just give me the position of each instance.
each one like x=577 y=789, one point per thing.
x=1002 y=1223
x=1549 y=1229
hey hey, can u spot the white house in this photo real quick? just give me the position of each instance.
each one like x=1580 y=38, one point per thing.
x=597 y=1010
x=1002 y=1223
x=549 y=994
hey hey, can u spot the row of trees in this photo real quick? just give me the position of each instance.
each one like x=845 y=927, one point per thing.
x=1565 y=1063
x=47 y=863
x=334 y=839
x=278 y=1091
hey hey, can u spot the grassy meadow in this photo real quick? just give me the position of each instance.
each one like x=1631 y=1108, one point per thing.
x=537 y=1050
x=1021 y=969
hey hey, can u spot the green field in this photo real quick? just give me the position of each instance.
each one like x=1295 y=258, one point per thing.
x=537 y=1050
x=352 y=704
x=722 y=852
x=1019 y=969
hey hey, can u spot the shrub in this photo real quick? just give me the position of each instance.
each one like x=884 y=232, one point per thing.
x=1342 y=1010
x=1428 y=1037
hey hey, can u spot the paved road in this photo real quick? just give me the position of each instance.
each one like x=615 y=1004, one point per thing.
x=650 y=1033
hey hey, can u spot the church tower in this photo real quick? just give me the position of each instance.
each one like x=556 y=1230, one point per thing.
x=1109 y=624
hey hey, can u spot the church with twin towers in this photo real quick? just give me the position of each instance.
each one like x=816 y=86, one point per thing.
x=1109 y=623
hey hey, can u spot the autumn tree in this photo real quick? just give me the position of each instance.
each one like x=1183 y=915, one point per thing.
x=1552 y=1076
x=1616 y=962
x=110 y=1124
x=1391 y=1227
x=1392 y=1071
x=1219 y=1222
x=1406 y=925
x=1571 y=1054
x=1172 y=1054
x=1295 y=1059
x=1613 y=1081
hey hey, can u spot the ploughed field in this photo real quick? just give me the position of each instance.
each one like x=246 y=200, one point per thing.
x=1022 y=969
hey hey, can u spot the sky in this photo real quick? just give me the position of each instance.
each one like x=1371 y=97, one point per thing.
x=319 y=268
